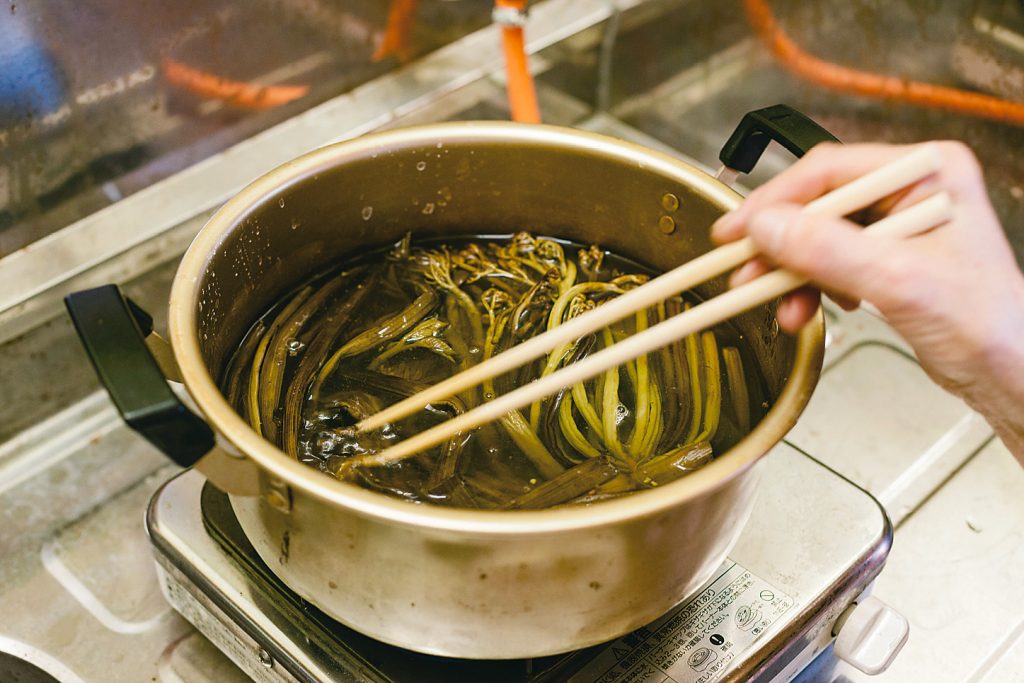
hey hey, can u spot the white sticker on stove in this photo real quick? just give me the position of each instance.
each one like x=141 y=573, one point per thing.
x=696 y=641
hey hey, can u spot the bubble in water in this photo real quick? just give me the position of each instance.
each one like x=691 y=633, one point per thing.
x=280 y=202
x=428 y=209
x=621 y=413
x=294 y=346
x=421 y=165
x=488 y=395
x=326 y=442
x=295 y=224
x=367 y=213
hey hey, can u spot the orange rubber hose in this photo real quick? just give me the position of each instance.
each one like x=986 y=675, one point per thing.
x=396 y=35
x=522 y=94
x=867 y=84
x=238 y=93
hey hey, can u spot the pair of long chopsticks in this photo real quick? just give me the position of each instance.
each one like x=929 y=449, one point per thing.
x=857 y=194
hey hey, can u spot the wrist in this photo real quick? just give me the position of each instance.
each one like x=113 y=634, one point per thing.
x=997 y=391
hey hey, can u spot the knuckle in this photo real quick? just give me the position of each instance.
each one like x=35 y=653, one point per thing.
x=957 y=151
x=753 y=198
x=904 y=284
x=816 y=156
x=807 y=243
x=822 y=149
x=959 y=158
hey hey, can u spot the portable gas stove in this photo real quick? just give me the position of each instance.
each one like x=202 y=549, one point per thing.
x=813 y=546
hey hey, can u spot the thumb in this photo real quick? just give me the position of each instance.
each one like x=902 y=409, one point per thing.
x=833 y=253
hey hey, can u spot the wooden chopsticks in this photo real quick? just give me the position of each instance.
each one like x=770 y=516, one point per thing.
x=857 y=194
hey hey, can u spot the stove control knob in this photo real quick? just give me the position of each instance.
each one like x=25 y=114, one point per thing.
x=869 y=635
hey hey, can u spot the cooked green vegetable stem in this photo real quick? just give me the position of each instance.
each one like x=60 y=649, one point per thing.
x=253 y=397
x=570 y=484
x=642 y=393
x=641 y=424
x=713 y=387
x=677 y=400
x=237 y=376
x=272 y=371
x=738 y=393
x=610 y=407
x=571 y=430
x=312 y=356
x=694 y=366
x=384 y=331
x=516 y=426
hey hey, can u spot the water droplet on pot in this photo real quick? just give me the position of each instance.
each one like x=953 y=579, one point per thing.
x=428 y=208
x=280 y=202
x=367 y=213
x=295 y=224
x=421 y=165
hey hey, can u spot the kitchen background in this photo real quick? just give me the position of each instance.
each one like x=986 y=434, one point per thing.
x=123 y=126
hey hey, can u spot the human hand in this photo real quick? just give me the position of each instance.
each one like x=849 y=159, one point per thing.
x=955 y=293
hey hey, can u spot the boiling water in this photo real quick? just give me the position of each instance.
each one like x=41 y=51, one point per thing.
x=385 y=326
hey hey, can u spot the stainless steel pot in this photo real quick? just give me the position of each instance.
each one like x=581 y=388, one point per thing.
x=462 y=583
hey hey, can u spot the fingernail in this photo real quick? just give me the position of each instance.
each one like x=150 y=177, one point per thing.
x=768 y=228
x=721 y=228
x=743 y=273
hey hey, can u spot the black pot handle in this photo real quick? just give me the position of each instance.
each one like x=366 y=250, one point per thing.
x=113 y=330
x=781 y=123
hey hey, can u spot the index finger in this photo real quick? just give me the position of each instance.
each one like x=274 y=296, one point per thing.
x=826 y=167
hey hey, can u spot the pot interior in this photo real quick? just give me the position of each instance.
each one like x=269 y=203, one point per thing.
x=461 y=180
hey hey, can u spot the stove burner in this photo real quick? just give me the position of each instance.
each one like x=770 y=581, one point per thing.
x=399 y=664
x=766 y=614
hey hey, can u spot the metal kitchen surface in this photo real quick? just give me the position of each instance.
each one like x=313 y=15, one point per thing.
x=79 y=592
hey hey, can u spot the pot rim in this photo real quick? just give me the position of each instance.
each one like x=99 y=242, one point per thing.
x=184 y=337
